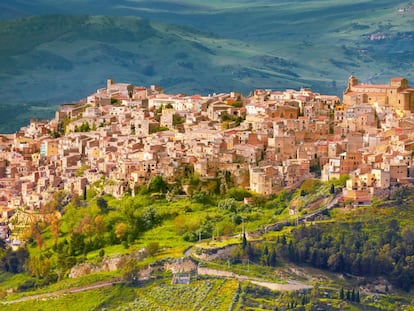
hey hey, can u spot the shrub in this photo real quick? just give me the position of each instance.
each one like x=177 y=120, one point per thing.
x=152 y=248
x=190 y=236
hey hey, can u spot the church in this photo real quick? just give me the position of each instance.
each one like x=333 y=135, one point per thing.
x=397 y=94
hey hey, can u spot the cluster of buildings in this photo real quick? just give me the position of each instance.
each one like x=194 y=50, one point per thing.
x=123 y=135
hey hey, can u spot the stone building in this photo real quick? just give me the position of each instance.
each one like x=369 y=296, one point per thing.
x=397 y=94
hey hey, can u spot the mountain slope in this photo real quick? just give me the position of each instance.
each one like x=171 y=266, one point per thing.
x=56 y=58
x=243 y=45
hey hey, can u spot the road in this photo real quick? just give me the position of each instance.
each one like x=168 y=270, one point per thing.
x=288 y=286
x=62 y=292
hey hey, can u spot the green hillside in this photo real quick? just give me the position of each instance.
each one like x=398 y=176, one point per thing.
x=344 y=259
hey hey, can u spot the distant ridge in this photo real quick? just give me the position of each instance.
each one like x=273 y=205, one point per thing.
x=48 y=60
x=57 y=52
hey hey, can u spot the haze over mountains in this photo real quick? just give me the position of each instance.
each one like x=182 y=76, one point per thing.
x=53 y=53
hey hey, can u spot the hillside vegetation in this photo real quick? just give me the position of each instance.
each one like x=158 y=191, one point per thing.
x=355 y=248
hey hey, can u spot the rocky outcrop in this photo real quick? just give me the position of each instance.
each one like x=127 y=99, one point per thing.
x=108 y=264
x=181 y=266
x=84 y=269
x=216 y=253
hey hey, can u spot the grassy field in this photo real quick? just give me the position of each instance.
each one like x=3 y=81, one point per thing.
x=213 y=294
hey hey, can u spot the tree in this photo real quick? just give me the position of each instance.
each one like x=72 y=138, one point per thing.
x=272 y=258
x=102 y=204
x=83 y=128
x=149 y=218
x=99 y=226
x=228 y=205
x=54 y=228
x=102 y=253
x=15 y=261
x=238 y=194
x=265 y=256
x=3 y=247
x=35 y=231
x=120 y=231
x=130 y=272
x=39 y=266
x=258 y=200
x=200 y=197
x=244 y=241
x=152 y=248
x=236 y=219
x=336 y=262
x=157 y=184
x=342 y=294
x=77 y=244
x=177 y=120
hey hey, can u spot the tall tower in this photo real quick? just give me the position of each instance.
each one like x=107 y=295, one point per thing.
x=352 y=81
x=109 y=83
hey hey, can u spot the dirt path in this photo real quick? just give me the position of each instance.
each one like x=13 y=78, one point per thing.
x=289 y=286
x=59 y=293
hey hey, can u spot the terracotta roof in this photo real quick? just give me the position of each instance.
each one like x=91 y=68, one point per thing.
x=368 y=93
x=373 y=86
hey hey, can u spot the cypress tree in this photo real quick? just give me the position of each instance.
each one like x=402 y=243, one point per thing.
x=272 y=258
x=244 y=242
x=357 y=297
x=353 y=295
x=348 y=295
x=291 y=251
x=265 y=256
x=342 y=294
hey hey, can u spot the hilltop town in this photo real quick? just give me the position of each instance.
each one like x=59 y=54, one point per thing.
x=122 y=136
